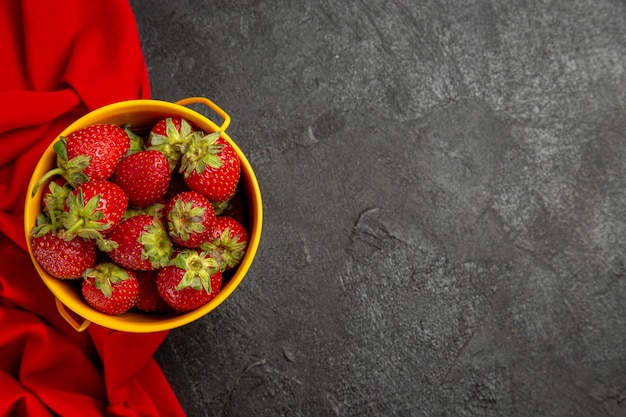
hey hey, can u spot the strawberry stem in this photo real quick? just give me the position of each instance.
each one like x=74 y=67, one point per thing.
x=46 y=177
x=76 y=226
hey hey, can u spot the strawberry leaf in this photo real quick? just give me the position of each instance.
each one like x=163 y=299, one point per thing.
x=198 y=267
x=136 y=142
x=60 y=148
x=42 y=226
x=105 y=245
x=202 y=151
x=55 y=200
x=105 y=275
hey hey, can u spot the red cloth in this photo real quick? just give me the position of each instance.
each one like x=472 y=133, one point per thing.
x=61 y=59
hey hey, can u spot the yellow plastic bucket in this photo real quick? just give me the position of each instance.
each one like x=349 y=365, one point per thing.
x=141 y=115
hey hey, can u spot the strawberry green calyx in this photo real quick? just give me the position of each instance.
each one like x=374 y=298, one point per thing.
x=142 y=243
x=105 y=245
x=83 y=219
x=198 y=267
x=71 y=170
x=105 y=275
x=43 y=225
x=227 y=250
x=202 y=152
x=53 y=204
x=157 y=246
x=222 y=207
x=174 y=143
x=54 y=201
x=173 y=136
x=136 y=142
x=185 y=219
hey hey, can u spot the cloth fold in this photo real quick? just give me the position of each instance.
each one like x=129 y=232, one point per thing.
x=62 y=60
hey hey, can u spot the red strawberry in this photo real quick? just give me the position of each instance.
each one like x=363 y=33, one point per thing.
x=110 y=288
x=170 y=136
x=105 y=144
x=144 y=176
x=90 y=153
x=149 y=297
x=228 y=242
x=61 y=258
x=141 y=242
x=211 y=166
x=94 y=208
x=191 y=282
x=189 y=219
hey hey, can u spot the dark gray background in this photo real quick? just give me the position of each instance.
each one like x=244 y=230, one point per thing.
x=445 y=205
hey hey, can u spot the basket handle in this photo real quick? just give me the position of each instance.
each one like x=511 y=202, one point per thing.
x=68 y=317
x=211 y=105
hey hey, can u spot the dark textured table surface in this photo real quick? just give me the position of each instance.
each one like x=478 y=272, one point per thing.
x=444 y=189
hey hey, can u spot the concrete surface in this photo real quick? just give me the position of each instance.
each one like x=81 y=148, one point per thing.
x=445 y=199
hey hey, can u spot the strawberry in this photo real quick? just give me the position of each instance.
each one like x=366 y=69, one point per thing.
x=211 y=166
x=110 y=288
x=94 y=208
x=60 y=257
x=227 y=243
x=149 y=298
x=170 y=136
x=144 y=176
x=189 y=218
x=140 y=242
x=90 y=153
x=104 y=144
x=192 y=281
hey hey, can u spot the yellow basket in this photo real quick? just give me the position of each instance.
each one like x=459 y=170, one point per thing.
x=141 y=115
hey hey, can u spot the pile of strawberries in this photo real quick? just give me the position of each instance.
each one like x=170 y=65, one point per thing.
x=148 y=222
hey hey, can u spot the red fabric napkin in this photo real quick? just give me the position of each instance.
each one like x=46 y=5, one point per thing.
x=60 y=60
